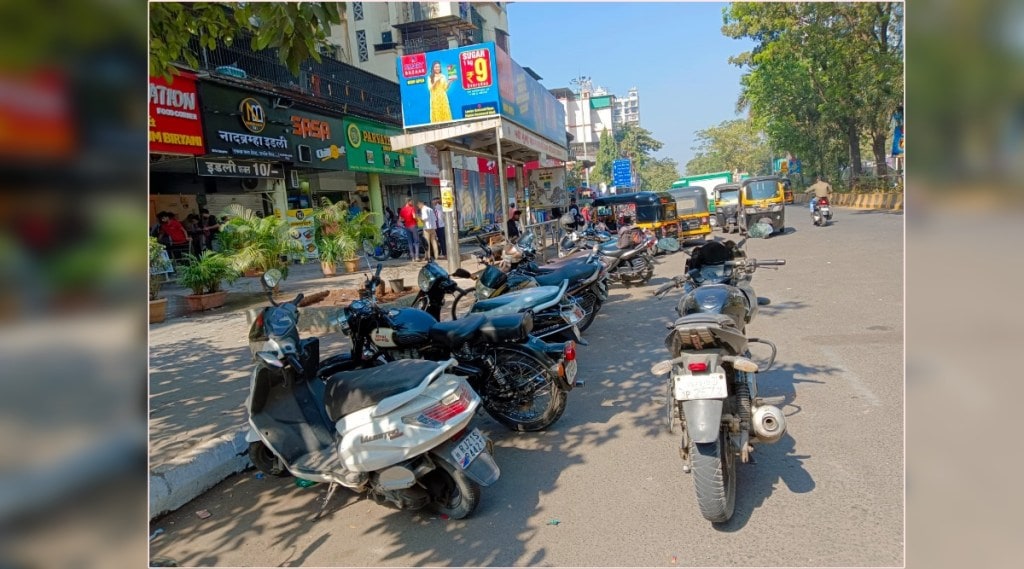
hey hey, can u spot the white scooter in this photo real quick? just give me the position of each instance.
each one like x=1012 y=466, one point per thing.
x=399 y=432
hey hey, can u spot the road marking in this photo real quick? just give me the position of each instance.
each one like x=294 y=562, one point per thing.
x=854 y=380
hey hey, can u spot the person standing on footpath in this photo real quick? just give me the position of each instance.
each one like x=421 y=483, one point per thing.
x=513 y=226
x=429 y=231
x=408 y=215
x=439 y=213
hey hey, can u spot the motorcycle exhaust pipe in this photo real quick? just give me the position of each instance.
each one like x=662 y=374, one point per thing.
x=769 y=423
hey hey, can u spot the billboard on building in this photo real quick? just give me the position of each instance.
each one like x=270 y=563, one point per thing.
x=475 y=81
x=368 y=146
x=240 y=123
x=175 y=126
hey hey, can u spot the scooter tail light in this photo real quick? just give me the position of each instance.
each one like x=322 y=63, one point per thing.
x=697 y=366
x=437 y=415
x=570 y=351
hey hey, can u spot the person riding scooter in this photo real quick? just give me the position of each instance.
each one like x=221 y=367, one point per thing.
x=821 y=189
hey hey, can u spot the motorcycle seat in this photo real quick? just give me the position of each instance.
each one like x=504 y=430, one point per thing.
x=349 y=391
x=524 y=299
x=454 y=333
x=506 y=328
x=575 y=272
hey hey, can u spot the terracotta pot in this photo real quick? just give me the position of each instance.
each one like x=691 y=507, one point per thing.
x=157 y=310
x=253 y=273
x=327 y=268
x=201 y=302
x=352 y=265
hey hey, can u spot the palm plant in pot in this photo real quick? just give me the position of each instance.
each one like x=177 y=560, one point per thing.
x=159 y=266
x=204 y=275
x=256 y=244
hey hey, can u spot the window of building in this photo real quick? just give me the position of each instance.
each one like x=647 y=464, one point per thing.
x=357 y=11
x=364 y=54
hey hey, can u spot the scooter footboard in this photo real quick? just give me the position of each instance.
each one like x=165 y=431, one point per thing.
x=703 y=419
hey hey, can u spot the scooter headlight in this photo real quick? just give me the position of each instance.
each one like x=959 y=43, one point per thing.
x=483 y=291
x=425 y=280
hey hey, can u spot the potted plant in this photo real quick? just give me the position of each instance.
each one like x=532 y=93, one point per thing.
x=204 y=276
x=159 y=266
x=256 y=244
x=328 y=251
x=339 y=235
x=355 y=230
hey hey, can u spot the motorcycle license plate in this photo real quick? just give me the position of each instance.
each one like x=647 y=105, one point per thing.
x=573 y=316
x=704 y=386
x=570 y=371
x=469 y=448
x=824 y=210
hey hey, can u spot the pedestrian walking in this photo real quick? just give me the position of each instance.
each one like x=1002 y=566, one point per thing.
x=429 y=218
x=439 y=212
x=409 y=217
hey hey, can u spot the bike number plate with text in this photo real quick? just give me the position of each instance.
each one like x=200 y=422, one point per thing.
x=570 y=371
x=469 y=448
x=704 y=386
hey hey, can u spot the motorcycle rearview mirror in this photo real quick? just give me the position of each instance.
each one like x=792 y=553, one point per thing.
x=662 y=367
x=763 y=301
x=271 y=278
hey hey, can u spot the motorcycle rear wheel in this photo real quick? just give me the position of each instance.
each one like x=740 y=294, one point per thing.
x=540 y=400
x=453 y=493
x=265 y=461
x=714 y=478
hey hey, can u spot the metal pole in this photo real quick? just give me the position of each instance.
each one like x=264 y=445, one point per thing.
x=501 y=182
x=451 y=229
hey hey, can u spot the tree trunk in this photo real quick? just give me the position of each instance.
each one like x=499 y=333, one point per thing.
x=853 y=140
x=878 y=149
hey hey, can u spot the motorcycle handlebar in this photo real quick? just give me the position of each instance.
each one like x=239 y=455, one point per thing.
x=771 y=262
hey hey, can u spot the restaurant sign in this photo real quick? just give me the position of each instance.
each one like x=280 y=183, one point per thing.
x=174 y=123
x=368 y=146
x=231 y=168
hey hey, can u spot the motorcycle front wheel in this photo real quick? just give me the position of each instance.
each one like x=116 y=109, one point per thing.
x=714 y=478
x=452 y=492
x=533 y=400
x=463 y=303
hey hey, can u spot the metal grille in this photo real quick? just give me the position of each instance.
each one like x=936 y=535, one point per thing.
x=357 y=11
x=364 y=53
x=339 y=84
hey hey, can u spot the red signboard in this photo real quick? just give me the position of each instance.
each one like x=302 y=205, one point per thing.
x=476 y=68
x=414 y=65
x=174 y=124
x=36 y=119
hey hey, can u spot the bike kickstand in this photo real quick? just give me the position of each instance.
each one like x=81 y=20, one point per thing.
x=330 y=494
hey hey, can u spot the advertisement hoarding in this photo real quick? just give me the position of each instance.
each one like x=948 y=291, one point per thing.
x=475 y=81
x=368 y=146
x=175 y=126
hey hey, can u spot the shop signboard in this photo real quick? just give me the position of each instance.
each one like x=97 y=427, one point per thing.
x=231 y=168
x=318 y=140
x=368 y=146
x=300 y=228
x=175 y=126
x=475 y=81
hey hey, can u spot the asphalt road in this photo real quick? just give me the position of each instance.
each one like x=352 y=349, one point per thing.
x=605 y=486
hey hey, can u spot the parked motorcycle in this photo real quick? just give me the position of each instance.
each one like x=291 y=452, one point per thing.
x=522 y=380
x=394 y=245
x=712 y=381
x=822 y=212
x=399 y=432
x=517 y=270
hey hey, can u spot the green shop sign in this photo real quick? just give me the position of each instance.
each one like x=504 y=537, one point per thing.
x=368 y=147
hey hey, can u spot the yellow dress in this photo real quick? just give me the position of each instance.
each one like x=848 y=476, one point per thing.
x=440 y=111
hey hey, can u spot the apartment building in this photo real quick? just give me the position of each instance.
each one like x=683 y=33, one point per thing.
x=589 y=111
x=627 y=109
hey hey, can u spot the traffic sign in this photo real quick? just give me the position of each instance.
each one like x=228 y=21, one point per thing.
x=622 y=173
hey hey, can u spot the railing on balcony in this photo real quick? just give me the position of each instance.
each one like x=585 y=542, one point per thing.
x=337 y=84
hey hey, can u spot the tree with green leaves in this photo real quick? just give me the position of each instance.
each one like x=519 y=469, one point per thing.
x=732 y=145
x=658 y=174
x=637 y=144
x=295 y=30
x=607 y=153
x=821 y=76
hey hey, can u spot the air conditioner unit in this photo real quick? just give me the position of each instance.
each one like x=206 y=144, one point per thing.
x=257 y=184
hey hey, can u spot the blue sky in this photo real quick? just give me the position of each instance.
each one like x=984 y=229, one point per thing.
x=674 y=53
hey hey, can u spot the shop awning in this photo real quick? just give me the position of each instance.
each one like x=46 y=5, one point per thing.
x=517 y=143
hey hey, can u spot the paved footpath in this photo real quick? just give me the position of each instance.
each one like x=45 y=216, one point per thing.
x=199 y=366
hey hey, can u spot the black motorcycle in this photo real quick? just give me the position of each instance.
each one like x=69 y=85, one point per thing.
x=523 y=381
x=394 y=244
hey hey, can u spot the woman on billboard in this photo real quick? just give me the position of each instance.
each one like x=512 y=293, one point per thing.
x=440 y=111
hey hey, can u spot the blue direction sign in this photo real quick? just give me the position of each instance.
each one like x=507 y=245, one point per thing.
x=622 y=173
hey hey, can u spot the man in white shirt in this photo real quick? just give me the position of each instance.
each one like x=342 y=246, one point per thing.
x=429 y=230
x=439 y=213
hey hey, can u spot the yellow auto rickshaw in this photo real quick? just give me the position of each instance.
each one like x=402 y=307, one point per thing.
x=647 y=210
x=762 y=198
x=691 y=211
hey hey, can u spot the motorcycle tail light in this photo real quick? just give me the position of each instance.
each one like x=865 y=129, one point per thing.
x=697 y=366
x=570 y=351
x=435 y=416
